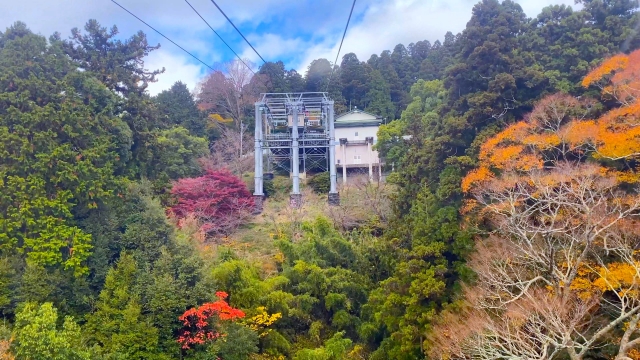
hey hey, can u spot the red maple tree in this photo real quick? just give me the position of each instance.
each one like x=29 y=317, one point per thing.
x=203 y=324
x=218 y=199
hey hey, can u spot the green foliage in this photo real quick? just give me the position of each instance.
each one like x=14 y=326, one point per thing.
x=68 y=293
x=146 y=229
x=241 y=281
x=378 y=98
x=99 y=52
x=84 y=233
x=58 y=155
x=279 y=80
x=268 y=188
x=239 y=343
x=421 y=113
x=176 y=154
x=177 y=281
x=37 y=335
x=335 y=348
x=118 y=325
x=320 y=183
x=7 y=275
x=178 y=108
x=119 y=66
x=354 y=80
x=274 y=344
x=324 y=275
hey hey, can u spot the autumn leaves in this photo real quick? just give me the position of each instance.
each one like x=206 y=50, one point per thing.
x=556 y=198
x=558 y=129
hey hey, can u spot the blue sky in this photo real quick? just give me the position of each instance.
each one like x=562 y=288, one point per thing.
x=294 y=31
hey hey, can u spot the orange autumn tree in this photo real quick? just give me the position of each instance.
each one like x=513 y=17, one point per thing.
x=203 y=324
x=558 y=274
x=616 y=134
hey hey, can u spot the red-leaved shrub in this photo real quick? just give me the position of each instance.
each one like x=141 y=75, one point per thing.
x=218 y=199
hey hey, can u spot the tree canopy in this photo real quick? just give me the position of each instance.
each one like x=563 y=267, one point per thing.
x=508 y=227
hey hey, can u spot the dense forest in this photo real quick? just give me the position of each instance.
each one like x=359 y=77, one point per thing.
x=509 y=228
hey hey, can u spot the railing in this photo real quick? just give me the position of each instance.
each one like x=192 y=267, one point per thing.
x=347 y=142
x=277 y=136
x=315 y=136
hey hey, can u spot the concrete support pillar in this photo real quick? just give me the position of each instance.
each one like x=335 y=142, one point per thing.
x=258 y=193
x=370 y=156
x=334 y=197
x=296 y=197
x=344 y=165
x=379 y=170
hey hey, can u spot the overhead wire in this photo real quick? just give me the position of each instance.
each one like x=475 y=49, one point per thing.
x=238 y=30
x=163 y=35
x=215 y=32
x=340 y=47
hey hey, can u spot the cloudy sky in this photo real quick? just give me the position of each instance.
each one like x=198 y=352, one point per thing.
x=294 y=31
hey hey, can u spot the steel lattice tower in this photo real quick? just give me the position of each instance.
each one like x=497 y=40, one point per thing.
x=294 y=131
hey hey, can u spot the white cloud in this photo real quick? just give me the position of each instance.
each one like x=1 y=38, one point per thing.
x=533 y=7
x=384 y=24
x=296 y=31
x=272 y=46
x=173 y=18
x=176 y=69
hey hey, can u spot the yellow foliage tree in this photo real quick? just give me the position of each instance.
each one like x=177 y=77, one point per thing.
x=262 y=320
x=218 y=119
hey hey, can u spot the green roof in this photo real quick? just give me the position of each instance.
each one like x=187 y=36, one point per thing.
x=344 y=124
x=356 y=118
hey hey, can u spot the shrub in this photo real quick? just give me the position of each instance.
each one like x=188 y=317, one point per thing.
x=269 y=188
x=219 y=199
x=320 y=183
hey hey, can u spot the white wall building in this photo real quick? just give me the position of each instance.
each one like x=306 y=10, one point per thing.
x=357 y=132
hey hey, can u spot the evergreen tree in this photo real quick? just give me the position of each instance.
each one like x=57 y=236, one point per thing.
x=177 y=153
x=436 y=61
x=317 y=76
x=276 y=77
x=177 y=107
x=117 y=325
x=59 y=154
x=119 y=65
x=378 y=98
x=295 y=81
x=399 y=95
x=617 y=18
x=419 y=51
x=353 y=80
x=404 y=66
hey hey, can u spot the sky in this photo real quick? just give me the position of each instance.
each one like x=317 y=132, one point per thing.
x=293 y=31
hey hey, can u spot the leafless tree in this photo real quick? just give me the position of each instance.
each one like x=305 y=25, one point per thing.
x=231 y=94
x=561 y=273
x=361 y=201
x=226 y=149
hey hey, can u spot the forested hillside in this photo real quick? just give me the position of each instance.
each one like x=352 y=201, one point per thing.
x=509 y=229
